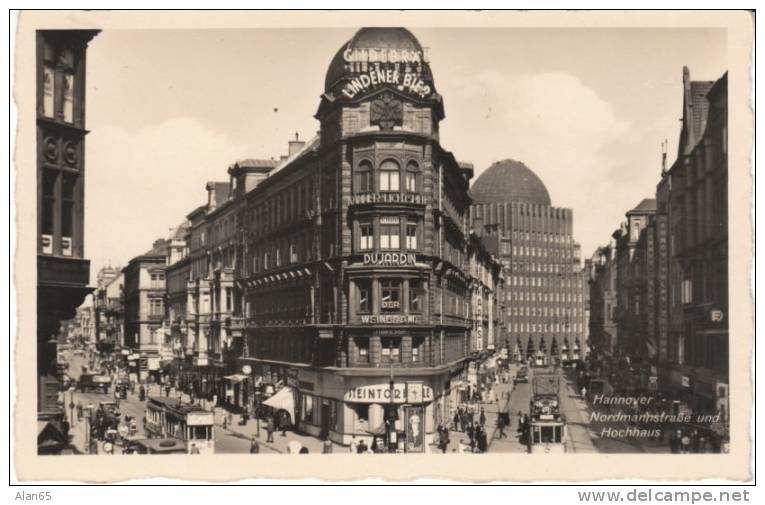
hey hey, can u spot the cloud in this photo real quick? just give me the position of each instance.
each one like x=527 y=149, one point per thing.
x=139 y=185
x=584 y=151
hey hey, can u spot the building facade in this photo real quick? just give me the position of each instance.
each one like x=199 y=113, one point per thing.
x=544 y=280
x=144 y=295
x=693 y=255
x=108 y=301
x=63 y=273
x=604 y=335
x=635 y=286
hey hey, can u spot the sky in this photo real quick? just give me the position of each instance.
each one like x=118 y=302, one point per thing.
x=586 y=109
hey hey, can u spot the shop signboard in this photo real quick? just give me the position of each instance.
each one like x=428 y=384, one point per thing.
x=381 y=393
x=415 y=425
x=389 y=319
x=390 y=259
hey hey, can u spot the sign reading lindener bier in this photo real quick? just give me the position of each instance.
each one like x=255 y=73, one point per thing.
x=396 y=67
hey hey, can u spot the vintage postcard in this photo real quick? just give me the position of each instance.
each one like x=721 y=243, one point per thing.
x=468 y=245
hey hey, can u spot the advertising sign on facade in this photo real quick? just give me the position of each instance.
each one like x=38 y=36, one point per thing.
x=390 y=259
x=381 y=393
x=389 y=319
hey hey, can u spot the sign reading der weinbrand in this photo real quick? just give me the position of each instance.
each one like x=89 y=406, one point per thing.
x=381 y=393
x=389 y=319
x=390 y=259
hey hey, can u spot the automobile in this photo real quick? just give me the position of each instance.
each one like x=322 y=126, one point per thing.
x=522 y=376
x=110 y=407
x=94 y=382
x=155 y=446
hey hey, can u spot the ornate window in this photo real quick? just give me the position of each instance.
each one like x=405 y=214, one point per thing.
x=389 y=176
x=412 y=173
x=363 y=178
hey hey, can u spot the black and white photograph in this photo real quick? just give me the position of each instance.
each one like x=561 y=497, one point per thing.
x=448 y=241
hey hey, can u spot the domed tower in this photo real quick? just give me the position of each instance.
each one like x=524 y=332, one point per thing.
x=379 y=80
x=544 y=283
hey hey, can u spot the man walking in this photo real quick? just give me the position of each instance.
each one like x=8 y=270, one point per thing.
x=482 y=418
x=254 y=446
x=501 y=425
x=270 y=429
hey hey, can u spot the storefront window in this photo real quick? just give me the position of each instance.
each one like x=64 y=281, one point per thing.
x=391 y=299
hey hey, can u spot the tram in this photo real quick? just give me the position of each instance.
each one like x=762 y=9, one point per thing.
x=546 y=428
x=190 y=424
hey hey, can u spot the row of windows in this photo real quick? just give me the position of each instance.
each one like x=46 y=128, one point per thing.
x=542 y=237
x=555 y=268
x=389 y=234
x=390 y=349
x=284 y=207
x=389 y=176
x=288 y=251
x=545 y=282
x=546 y=327
x=541 y=311
x=525 y=296
x=543 y=252
x=391 y=293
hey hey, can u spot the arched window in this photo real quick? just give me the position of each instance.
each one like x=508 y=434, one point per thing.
x=363 y=179
x=389 y=176
x=412 y=171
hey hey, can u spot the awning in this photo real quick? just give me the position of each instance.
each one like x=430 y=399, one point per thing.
x=284 y=399
x=235 y=379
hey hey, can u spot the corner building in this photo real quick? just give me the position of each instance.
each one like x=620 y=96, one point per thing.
x=543 y=277
x=354 y=271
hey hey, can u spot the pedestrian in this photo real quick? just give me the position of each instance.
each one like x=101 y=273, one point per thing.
x=481 y=440
x=685 y=443
x=225 y=421
x=254 y=446
x=443 y=440
x=362 y=447
x=167 y=389
x=354 y=445
x=326 y=446
x=482 y=417
x=65 y=428
x=270 y=429
x=501 y=426
x=195 y=449
x=79 y=411
x=584 y=393
x=283 y=422
x=456 y=420
x=471 y=432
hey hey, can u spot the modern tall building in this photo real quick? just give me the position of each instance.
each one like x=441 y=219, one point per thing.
x=543 y=277
x=63 y=273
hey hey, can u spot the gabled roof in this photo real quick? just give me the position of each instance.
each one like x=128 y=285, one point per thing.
x=647 y=205
x=695 y=109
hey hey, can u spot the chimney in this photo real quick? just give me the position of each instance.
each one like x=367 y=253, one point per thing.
x=210 y=187
x=295 y=145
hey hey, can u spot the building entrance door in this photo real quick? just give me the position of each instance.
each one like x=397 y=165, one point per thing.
x=326 y=415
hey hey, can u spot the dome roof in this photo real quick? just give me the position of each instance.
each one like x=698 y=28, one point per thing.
x=509 y=181
x=373 y=38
